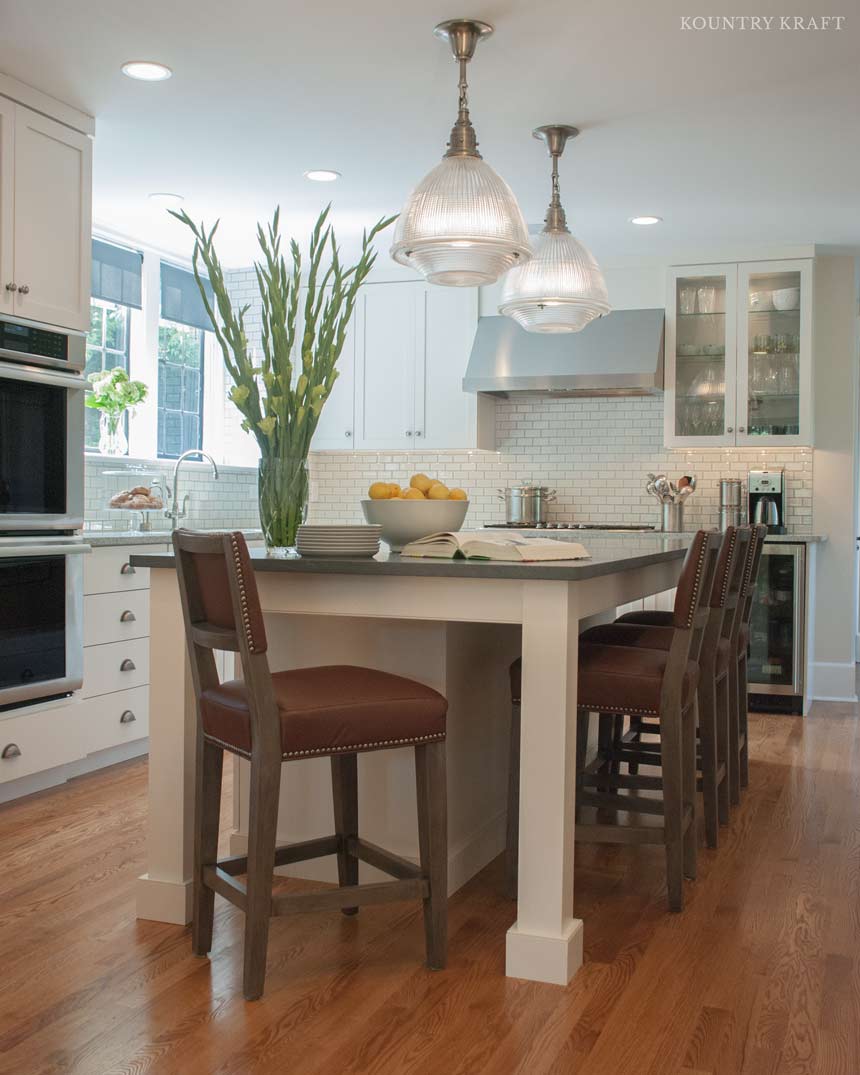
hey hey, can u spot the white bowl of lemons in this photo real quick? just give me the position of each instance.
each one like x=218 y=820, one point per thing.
x=425 y=506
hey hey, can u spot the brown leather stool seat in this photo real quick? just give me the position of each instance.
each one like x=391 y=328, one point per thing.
x=637 y=634
x=330 y=709
x=626 y=679
x=652 y=618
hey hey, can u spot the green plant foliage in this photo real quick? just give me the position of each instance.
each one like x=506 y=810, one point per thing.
x=281 y=402
x=114 y=392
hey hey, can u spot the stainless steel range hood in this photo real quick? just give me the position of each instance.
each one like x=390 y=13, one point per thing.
x=618 y=355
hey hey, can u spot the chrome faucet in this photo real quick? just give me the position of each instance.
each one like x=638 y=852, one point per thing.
x=175 y=513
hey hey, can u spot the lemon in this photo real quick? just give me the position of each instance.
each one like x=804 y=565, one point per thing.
x=395 y=490
x=438 y=492
x=458 y=494
x=379 y=491
x=420 y=482
x=413 y=494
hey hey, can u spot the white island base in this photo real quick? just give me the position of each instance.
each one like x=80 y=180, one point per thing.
x=457 y=634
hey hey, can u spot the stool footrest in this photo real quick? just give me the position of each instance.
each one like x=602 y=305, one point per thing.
x=416 y=888
x=301 y=852
x=380 y=858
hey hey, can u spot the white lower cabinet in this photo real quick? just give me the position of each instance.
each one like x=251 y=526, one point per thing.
x=116 y=718
x=34 y=741
x=116 y=666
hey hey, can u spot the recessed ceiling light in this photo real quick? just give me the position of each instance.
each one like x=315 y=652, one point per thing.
x=644 y=221
x=146 y=70
x=166 y=200
x=322 y=175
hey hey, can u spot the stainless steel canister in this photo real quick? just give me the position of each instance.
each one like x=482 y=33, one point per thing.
x=526 y=505
x=731 y=502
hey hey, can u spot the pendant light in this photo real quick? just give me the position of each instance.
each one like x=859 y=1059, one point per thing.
x=562 y=288
x=461 y=226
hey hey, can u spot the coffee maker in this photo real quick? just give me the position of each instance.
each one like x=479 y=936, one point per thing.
x=766 y=490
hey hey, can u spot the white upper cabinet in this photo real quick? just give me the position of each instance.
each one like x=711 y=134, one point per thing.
x=739 y=355
x=7 y=203
x=445 y=415
x=336 y=426
x=53 y=226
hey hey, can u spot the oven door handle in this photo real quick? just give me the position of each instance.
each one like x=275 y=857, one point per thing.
x=34 y=375
x=22 y=551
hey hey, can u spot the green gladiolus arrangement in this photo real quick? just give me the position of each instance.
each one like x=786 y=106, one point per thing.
x=281 y=399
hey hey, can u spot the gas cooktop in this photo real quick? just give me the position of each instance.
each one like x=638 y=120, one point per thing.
x=635 y=528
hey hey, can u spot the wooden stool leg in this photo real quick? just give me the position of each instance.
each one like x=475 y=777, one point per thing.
x=605 y=727
x=431 y=784
x=207 y=812
x=673 y=805
x=262 y=830
x=512 y=845
x=688 y=760
x=344 y=789
x=723 y=754
x=734 y=736
x=743 y=710
x=583 y=721
x=635 y=730
x=708 y=734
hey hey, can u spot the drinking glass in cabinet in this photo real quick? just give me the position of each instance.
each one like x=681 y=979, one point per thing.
x=773 y=333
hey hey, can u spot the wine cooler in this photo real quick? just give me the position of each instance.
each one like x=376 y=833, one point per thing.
x=777 y=658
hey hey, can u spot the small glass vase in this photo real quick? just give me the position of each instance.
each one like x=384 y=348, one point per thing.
x=283 y=496
x=112 y=438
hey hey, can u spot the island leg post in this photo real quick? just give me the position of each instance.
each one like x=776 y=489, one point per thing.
x=545 y=943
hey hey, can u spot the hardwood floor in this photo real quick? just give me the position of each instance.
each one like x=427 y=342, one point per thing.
x=760 y=974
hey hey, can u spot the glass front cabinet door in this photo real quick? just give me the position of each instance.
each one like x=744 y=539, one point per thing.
x=738 y=355
x=701 y=366
x=774 y=353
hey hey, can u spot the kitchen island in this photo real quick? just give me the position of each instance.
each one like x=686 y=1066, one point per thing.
x=454 y=625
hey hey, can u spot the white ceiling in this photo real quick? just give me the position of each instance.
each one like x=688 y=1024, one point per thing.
x=730 y=136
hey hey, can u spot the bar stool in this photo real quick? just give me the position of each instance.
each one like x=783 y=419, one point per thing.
x=270 y=718
x=713 y=691
x=745 y=612
x=660 y=683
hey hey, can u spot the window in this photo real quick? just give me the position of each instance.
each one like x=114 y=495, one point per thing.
x=107 y=346
x=180 y=388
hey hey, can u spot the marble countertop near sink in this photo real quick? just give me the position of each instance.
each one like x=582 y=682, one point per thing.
x=105 y=538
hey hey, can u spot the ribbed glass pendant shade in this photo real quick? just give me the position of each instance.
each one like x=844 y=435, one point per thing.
x=560 y=290
x=461 y=226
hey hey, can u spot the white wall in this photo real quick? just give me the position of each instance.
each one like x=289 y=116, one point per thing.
x=835 y=492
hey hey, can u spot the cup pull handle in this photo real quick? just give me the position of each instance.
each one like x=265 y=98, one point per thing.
x=127 y=665
x=127 y=569
x=12 y=750
x=128 y=717
x=127 y=617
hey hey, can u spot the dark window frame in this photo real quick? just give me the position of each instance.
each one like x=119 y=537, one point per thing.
x=160 y=406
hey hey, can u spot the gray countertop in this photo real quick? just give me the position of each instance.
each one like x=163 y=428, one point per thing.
x=106 y=538
x=621 y=535
x=607 y=557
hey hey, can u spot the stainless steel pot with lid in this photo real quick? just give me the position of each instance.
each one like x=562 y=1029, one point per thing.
x=526 y=504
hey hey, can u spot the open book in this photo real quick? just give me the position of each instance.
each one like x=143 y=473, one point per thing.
x=476 y=545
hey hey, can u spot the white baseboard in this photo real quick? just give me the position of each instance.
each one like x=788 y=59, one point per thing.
x=465 y=859
x=52 y=778
x=833 y=681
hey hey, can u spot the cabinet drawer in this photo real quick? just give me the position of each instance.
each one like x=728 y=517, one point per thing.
x=114 y=719
x=113 y=617
x=43 y=740
x=108 y=571
x=103 y=671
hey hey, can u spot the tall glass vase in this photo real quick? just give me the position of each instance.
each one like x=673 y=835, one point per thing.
x=112 y=438
x=283 y=496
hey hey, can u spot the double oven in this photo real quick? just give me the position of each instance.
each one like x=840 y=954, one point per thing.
x=42 y=389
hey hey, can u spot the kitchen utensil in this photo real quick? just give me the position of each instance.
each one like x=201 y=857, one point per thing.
x=787 y=298
x=526 y=504
x=402 y=521
x=731 y=500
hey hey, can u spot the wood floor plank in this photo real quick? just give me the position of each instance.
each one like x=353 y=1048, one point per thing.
x=759 y=976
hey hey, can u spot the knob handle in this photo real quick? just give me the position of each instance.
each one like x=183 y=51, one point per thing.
x=11 y=287
x=408 y=432
x=127 y=665
x=24 y=289
x=127 y=617
x=348 y=433
x=741 y=429
x=417 y=432
x=730 y=429
x=127 y=717
x=127 y=569
x=12 y=750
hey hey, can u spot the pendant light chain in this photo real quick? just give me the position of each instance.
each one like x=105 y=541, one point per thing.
x=463 y=141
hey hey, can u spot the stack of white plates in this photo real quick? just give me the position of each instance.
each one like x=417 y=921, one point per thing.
x=320 y=540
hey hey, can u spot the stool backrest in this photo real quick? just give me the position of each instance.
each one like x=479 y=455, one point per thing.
x=692 y=598
x=221 y=608
x=751 y=568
